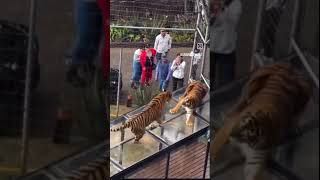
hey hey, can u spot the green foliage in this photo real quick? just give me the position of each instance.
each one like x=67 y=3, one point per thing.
x=134 y=35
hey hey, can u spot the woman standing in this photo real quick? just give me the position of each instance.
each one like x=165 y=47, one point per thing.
x=178 y=67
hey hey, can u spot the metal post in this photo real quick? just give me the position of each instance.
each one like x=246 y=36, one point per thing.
x=261 y=7
x=185 y=7
x=168 y=164
x=195 y=38
x=295 y=17
x=119 y=83
x=25 y=138
x=305 y=63
x=204 y=53
x=206 y=160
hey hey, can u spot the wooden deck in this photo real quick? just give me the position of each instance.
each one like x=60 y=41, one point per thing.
x=186 y=162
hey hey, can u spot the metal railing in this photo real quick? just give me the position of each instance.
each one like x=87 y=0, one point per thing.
x=165 y=149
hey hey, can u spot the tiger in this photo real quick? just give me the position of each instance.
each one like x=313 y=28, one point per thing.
x=192 y=97
x=269 y=105
x=96 y=170
x=152 y=112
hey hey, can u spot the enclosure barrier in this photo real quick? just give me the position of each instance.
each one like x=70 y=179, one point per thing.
x=166 y=149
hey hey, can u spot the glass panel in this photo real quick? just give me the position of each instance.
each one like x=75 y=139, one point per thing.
x=116 y=136
x=177 y=129
x=132 y=153
x=113 y=169
x=204 y=111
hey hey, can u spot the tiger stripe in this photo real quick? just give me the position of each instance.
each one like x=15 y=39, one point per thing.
x=152 y=112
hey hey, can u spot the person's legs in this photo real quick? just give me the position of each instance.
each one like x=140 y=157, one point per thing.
x=158 y=57
x=180 y=83
x=143 y=77
x=174 y=83
x=88 y=22
x=194 y=71
x=148 y=76
x=136 y=73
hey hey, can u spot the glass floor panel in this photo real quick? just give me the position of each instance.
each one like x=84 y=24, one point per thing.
x=204 y=111
x=113 y=169
x=116 y=136
x=132 y=153
x=176 y=129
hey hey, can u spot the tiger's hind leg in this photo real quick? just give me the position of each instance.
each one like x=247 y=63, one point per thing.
x=139 y=134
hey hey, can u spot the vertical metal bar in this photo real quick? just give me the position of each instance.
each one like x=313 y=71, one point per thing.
x=206 y=160
x=295 y=17
x=256 y=40
x=119 y=83
x=168 y=164
x=195 y=37
x=204 y=53
x=161 y=134
x=121 y=148
x=26 y=105
x=305 y=63
x=185 y=7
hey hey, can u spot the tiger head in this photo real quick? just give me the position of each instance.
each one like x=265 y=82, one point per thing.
x=166 y=95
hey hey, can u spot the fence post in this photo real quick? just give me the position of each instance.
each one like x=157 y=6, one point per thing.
x=26 y=106
x=119 y=83
x=256 y=40
x=295 y=17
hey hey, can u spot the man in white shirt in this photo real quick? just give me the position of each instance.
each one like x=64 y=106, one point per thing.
x=162 y=44
x=270 y=22
x=178 y=67
x=223 y=37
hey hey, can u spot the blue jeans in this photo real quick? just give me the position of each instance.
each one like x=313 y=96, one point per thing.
x=88 y=22
x=163 y=85
x=137 y=70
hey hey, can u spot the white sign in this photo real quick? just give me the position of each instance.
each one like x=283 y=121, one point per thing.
x=199 y=45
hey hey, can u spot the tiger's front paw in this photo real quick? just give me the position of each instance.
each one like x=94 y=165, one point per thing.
x=173 y=111
x=189 y=122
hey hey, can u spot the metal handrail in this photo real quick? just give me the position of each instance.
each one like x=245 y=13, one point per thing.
x=304 y=61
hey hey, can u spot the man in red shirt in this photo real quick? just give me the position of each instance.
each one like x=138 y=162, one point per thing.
x=147 y=60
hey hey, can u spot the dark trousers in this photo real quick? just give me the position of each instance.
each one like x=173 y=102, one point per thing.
x=177 y=83
x=223 y=68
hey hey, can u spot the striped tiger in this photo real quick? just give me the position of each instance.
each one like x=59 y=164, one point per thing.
x=152 y=112
x=96 y=170
x=269 y=106
x=192 y=97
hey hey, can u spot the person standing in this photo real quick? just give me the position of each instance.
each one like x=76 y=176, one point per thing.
x=147 y=59
x=223 y=35
x=162 y=44
x=89 y=23
x=162 y=73
x=137 y=69
x=178 y=67
x=195 y=62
